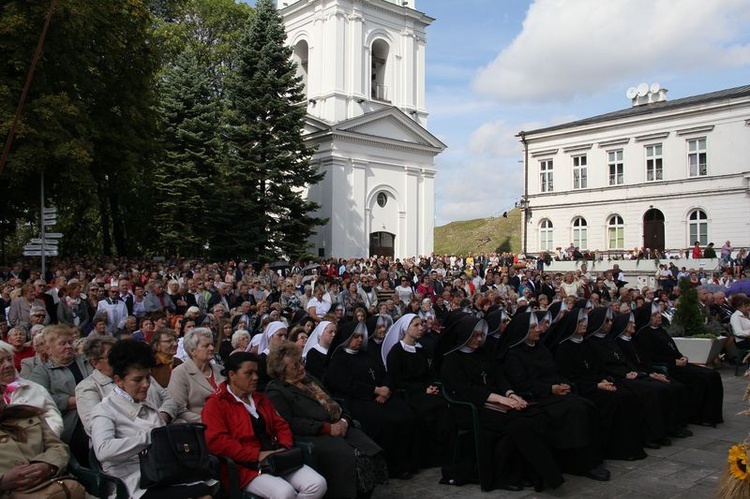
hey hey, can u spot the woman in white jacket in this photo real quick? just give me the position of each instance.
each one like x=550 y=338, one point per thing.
x=17 y=391
x=121 y=424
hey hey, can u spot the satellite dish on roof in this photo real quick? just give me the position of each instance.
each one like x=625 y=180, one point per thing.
x=643 y=89
x=631 y=93
x=655 y=87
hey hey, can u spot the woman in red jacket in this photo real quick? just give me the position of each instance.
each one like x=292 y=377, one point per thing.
x=243 y=425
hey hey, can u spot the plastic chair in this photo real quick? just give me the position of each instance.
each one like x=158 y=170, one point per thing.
x=475 y=429
x=107 y=483
x=89 y=478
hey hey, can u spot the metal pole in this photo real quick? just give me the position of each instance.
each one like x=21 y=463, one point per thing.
x=42 y=220
x=525 y=205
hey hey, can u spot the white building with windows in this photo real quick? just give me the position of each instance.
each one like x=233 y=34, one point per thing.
x=661 y=175
x=363 y=65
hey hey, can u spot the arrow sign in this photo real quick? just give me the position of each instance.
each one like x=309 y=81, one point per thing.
x=47 y=223
x=53 y=235
x=39 y=253
x=46 y=242
x=51 y=210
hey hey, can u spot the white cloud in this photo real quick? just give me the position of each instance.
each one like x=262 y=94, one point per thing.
x=484 y=179
x=574 y=47
x=495 y=139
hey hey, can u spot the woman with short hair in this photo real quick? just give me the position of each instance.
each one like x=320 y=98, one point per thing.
x=92 y=390
x=164 y=345
x=243 y=425
x=117 y=436
x=60 y=375
x=197 y=378
x=240 y=340
x=21 y=350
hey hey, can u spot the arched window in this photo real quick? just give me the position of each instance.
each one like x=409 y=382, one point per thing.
x=300 y=57
x=379 y=65
x=698 y=224
x=545 y=235
x=580 y=233
x=615 y=232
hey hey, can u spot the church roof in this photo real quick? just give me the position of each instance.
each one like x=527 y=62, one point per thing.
x=653 y=108
x=388 y=126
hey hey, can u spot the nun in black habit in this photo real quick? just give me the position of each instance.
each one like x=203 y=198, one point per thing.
x=557 y=312
x=377 y=327
x=515 y=435
x=497 y=321
x=360 y=380
x=621 y=414
x=408 y=368
x=315 y=353
x=655 y=346
x=532 y=371
x=661 y=395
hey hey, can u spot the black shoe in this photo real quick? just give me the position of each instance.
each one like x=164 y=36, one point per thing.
x=651 y=444
x=664 y=442
x=636 y=457
x=681 y=433
x=599 y=473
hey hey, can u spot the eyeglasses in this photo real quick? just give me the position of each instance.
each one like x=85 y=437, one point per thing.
x=39 y=315
x=169 y=341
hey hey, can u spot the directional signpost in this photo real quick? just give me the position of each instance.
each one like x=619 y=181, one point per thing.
x=46 y=244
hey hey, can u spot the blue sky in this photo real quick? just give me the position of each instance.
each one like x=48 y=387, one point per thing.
x=496 y=67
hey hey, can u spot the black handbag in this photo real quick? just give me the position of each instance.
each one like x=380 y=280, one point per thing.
x=282 y=462
x=177 y=454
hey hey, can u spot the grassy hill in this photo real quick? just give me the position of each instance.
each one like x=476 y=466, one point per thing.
x=483 y=235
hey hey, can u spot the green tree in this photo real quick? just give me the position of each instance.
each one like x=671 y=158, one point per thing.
x=185 y=178
x=688 y=320
x=268 y=163
x=88 y=121
x=210 y=28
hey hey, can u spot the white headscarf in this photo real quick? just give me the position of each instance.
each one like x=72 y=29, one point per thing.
x=395 y=334
x=314 y=338
x=271 y=329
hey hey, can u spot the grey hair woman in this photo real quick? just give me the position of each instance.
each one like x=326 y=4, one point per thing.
x=240 y=340
x=192 y=382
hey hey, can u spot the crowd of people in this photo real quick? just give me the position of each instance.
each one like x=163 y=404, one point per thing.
x=728 y=256
x=367 y=359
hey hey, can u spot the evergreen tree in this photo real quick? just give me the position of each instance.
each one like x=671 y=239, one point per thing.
x=185 y=179
x=268 y=163
x=688 y=318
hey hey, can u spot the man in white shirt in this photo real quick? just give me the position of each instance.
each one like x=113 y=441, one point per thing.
x=117 y=312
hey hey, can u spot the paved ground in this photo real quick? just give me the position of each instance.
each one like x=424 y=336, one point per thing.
x=690 y=468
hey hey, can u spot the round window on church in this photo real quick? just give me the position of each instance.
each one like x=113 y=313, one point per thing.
x=382 y=199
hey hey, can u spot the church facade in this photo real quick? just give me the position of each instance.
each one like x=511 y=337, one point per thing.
x=660 y=175
x=363 y=66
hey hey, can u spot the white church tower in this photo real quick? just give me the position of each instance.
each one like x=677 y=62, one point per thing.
x=363 y=64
